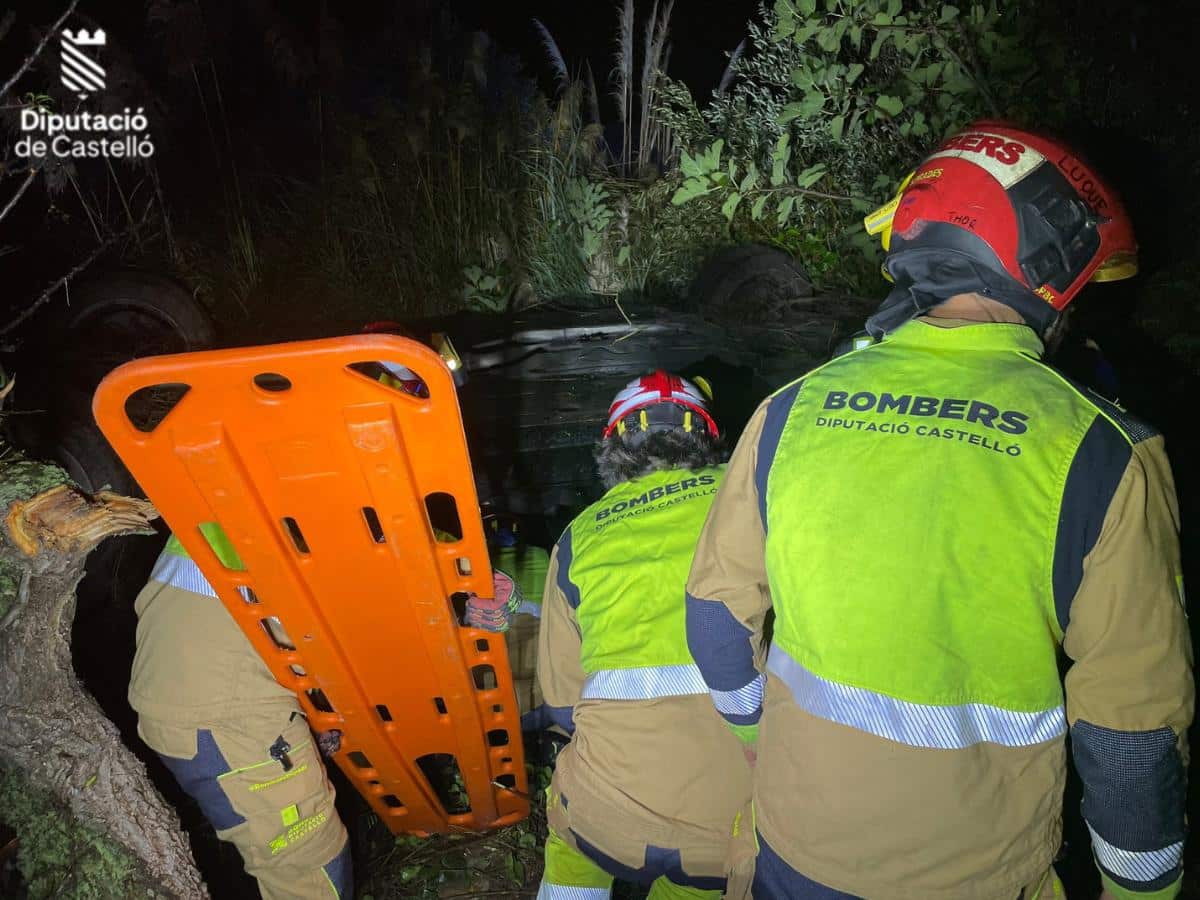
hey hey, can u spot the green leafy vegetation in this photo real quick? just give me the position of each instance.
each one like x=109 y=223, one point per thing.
x=565 y=205
x=411 y=200
x=482 y=188
x=832 y=102
x=477 y=189
x=59 y=858
x=484 y=290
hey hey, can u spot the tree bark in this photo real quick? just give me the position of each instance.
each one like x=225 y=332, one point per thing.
x=50 y=727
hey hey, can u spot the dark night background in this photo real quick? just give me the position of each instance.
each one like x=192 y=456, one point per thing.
x=260 y=111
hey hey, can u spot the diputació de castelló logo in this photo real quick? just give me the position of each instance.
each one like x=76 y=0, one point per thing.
x=83 y=134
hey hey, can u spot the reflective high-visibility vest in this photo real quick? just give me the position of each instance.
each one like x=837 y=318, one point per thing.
x=914 y=647
x=623 y=564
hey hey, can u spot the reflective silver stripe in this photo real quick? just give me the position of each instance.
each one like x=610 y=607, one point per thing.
x=531 y=609
x=742 y=702
x=915 y=724
x=181 y=572
x=566 y=892
x=644 y=684
x=1136 y=865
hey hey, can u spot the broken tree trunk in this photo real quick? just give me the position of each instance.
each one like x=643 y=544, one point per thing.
x=51 y=730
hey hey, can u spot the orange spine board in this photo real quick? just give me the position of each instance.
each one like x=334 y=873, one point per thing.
x=319 y=475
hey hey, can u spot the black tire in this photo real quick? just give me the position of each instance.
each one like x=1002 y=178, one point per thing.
x=83 y=451
x=751 y=283
x=111 y=320
x=155 y=295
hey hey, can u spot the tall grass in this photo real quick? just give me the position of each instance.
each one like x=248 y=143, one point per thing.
x=566 y=155
x=411 y=196
x=651 y=132
x=623 y=81
x=477 y=179
x=646 y=141
x=554 y=55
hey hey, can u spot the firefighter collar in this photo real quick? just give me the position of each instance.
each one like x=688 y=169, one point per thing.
x=976 y=336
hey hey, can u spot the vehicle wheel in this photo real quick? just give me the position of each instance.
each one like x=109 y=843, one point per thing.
x=130 y=315
x=111 y=321
x=751 y=283
x=86 y=456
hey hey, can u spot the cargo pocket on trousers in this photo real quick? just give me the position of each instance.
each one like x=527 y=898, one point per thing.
x=285 y=799
x=198 y=773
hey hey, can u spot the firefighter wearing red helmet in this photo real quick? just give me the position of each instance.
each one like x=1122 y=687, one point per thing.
x=933 y=519
x=652 y=779
x=1016 y=217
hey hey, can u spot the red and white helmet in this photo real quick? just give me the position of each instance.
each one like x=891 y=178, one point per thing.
x=1018 y=204
x=661 y=401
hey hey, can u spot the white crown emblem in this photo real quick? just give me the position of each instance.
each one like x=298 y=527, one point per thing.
x=81 y=38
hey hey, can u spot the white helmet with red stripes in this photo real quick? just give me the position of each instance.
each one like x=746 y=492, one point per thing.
x=661 y=401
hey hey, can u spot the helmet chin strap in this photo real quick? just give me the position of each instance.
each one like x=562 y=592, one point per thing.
x=926 y=277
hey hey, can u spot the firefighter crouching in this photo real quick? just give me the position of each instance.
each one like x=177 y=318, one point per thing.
x=651 y=781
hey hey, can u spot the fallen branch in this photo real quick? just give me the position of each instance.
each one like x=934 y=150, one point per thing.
x=17 y=196
x=48 y=294
x=52 y=732
x=37 y=51
x=64 y=520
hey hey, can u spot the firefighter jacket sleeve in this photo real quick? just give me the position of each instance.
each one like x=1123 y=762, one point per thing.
x=1129 y=691
x=727 y=593
x=559 y=670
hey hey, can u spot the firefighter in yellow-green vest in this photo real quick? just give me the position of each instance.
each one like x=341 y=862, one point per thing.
x=933 y=519
x=651 y=781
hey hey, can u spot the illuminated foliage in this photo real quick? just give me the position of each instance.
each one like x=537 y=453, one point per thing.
x=833 y=100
